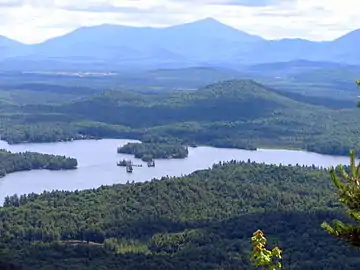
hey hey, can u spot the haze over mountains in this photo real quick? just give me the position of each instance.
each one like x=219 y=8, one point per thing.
x=206 y=42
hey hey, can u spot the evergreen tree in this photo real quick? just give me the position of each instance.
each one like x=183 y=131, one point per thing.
x=262 y=257
x=348 y=188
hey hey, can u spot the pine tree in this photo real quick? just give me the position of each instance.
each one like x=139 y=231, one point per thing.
x=348 y=190
x=262 y=257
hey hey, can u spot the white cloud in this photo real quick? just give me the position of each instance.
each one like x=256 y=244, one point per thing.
x=33 y=21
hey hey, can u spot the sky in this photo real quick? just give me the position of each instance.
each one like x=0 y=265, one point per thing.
x=33 y=21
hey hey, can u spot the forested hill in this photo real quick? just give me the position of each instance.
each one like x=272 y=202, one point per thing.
x=235 y=113
x=236 y=101
x=201 y=221
x=233 y=100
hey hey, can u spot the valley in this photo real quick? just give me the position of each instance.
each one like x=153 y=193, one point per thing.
x=243 y=131
x=173 y=214
x=220 y=115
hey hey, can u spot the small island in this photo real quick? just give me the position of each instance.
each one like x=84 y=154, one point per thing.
x=149 y=151
x=26 y=161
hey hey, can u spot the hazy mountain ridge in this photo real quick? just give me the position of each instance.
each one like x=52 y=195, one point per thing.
x=206 y=42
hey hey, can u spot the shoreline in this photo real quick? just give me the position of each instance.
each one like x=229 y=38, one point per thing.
x=261 y=147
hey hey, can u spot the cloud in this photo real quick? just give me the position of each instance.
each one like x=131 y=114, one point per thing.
x=249 y=3
x=36 y=20
x=121 y=6
x=10 y=3
x=19 y=3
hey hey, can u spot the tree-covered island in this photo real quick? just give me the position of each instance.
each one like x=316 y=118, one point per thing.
x=26 y=161
x=149 y=151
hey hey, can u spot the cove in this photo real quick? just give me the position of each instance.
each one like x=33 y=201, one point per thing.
x=97 y=164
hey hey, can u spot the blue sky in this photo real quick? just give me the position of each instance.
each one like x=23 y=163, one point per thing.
x=33 y=21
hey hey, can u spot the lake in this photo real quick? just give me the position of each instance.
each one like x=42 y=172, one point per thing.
x=97 y=164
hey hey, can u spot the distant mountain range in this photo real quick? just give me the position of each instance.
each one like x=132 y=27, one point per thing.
x=206 y=42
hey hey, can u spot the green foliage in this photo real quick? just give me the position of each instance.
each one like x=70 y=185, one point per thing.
x=38 y=132
x=15 y=162
x=123 y=246
x=262 y=257
x=149 y=151
x=221 y=115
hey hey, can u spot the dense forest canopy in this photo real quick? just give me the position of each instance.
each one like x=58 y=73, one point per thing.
x=200 y=221
x=236 y=113
x=16 y=162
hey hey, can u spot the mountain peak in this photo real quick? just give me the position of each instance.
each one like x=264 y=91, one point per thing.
x=212 y=27
x=206 y=22
x=209 y=20
x=353 y=36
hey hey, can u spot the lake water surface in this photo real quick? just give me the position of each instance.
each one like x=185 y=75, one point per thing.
x=97 y=165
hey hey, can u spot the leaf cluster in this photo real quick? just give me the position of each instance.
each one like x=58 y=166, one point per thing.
x=262 y=257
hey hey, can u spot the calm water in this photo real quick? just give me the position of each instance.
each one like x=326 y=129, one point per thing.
x=97 y=165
